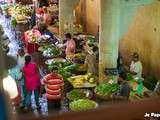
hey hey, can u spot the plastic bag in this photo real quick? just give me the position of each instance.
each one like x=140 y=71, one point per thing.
x=44 y=105
x=33 y=102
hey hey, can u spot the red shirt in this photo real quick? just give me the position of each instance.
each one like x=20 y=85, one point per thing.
x=31 y=75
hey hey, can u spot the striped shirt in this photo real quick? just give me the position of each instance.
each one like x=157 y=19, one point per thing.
x=53 y=84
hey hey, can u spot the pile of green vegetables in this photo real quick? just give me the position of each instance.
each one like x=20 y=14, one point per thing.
x=24 y=10
x=106 y=89
x=91 y=40
x=82 y=105
x=63 y=68
x=49 y=50
x=13 y=23
x=77 y=94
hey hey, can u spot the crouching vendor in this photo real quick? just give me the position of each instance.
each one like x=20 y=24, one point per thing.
x=124 y=88
x=135 y=67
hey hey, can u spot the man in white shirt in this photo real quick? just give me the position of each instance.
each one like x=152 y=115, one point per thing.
x=136 y=66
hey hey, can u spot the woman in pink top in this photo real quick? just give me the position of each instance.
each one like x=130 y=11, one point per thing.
x=70 y=46
x=32 y=81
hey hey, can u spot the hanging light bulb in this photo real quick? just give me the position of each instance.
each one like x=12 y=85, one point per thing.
x=10 y=86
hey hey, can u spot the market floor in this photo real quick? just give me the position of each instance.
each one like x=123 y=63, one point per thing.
x=14 y=46
x=5 y=22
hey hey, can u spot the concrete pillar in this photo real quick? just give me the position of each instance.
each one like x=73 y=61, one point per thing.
x=66 y=15
x=116 y=15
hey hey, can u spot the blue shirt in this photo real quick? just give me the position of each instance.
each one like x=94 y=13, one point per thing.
x=49 y=33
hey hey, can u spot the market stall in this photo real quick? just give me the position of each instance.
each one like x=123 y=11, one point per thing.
x=31 y=37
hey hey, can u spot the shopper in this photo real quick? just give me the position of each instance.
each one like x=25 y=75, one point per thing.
x=16 y=74
x=32 y=81
x=45 y=31
x=20 y=63
x=70 y=46
x=124 y=88
x=21 y=57
x=53 y=84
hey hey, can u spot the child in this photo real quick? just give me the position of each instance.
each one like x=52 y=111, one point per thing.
x=16 y=73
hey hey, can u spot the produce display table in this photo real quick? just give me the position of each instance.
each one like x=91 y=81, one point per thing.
x=49 y=61
x=31 y=46
x=82 y=81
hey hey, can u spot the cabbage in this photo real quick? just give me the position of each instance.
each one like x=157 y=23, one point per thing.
x=77 y=94
x=82 y=105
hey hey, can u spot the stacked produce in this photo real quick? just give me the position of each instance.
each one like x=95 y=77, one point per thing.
x=77 y=94
x=44 y=39
x=59 y=64
x=106 y=89
x=78 y=29
x=82 y=105
x=53 y=8
x=21 y=19
x=64 y=68
x=20 y=10
x=91 y=40
x=19 y=13
x=32 y=36
x=79 y=58
x=13 y=22
x=6 y=8
x=81 y=80
x=51 y=52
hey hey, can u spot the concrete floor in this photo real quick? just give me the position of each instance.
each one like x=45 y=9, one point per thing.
x=14 y=46
x=9 y=32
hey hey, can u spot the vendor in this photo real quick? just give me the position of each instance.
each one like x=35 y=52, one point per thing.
x=120 y=63
x=46 y=16
x=90 y=60
x=124 y=88
x=136 y=66
x=70 y=46
x=44 y=31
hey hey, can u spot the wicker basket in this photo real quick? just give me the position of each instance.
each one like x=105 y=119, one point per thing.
x=85 y=90
x=106 y=98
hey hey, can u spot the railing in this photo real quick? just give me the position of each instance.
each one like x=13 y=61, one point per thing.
x=122 y=111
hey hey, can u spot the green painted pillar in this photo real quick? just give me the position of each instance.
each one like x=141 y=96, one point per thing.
x=116 y=16
x=66 y=15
